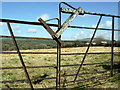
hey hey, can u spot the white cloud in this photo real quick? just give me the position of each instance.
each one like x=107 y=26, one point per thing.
x=94 y=26
x=32 y=30
x=79 y=35
x=106 y=35
x=86 y=15
x=18 y=31
x=82 y=32
x=90 y=34
x=44 y=17
x=16 y=27
x=108 y=24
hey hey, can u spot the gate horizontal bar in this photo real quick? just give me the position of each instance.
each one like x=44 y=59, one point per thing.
x=24 y=22
x=92 y=28
x=100 y=77
x=93 y=78
x=84 y=80
x=6 y=52
x=54 y=25
x=28 y=53
x=26 y=37
x=53 y=66
x=25 y=80
x=89 y=53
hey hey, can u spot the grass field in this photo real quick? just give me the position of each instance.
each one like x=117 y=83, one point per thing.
x=12 y=60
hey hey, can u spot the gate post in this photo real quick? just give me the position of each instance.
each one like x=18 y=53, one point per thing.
x=112 y=48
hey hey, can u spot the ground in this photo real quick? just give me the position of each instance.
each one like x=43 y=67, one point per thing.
x=90 y=80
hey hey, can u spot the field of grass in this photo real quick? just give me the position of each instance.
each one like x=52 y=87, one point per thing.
x=12 y=60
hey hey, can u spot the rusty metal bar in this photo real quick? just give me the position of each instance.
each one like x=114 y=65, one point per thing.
x=50 y=31
x=112 y=48
x=6 y=52
x=57 y=60
x=52 y=19
x=83 y=73
x=87 y=49
x=28 y=67
x=19 y=54
x=23 y=80
x=57 y=67
x=92 y=28
x=59 y=51
x=24 y=22
x=85 y=80
x=66 y=5
x=26 y=37
x=54 y=25
x=28 y=52
x=51 y=66
x=57 y=39
x=88 y=53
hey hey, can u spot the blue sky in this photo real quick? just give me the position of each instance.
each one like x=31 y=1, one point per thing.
x=31 y=11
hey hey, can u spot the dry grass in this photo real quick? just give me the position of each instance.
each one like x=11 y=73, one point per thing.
x=10 y=60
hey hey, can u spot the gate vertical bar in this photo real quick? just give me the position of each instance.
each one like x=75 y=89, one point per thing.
x=58 y=58
x=58 y=64
x=87 y=49
x=59 y=52
x=112 y=48
x=20 y=56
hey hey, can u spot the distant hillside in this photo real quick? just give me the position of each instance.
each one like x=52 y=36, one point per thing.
x=95 y=39
x=24 y=44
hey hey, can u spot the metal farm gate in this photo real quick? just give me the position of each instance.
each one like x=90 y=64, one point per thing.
x=57 y=37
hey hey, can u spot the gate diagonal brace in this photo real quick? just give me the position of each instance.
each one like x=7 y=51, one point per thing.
x=71 y=11
x=56 y=36
x=50 y=31
x=75 y=13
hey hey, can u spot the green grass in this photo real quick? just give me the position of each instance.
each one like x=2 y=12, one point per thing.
x=46 y=60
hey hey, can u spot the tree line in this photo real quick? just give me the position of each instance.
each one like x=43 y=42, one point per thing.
x=25 y=44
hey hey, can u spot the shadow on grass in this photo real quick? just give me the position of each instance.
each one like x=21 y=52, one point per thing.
x=115 y=66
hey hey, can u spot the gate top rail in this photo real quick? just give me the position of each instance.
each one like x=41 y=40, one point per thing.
x=109 y=15
x=70 y=11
